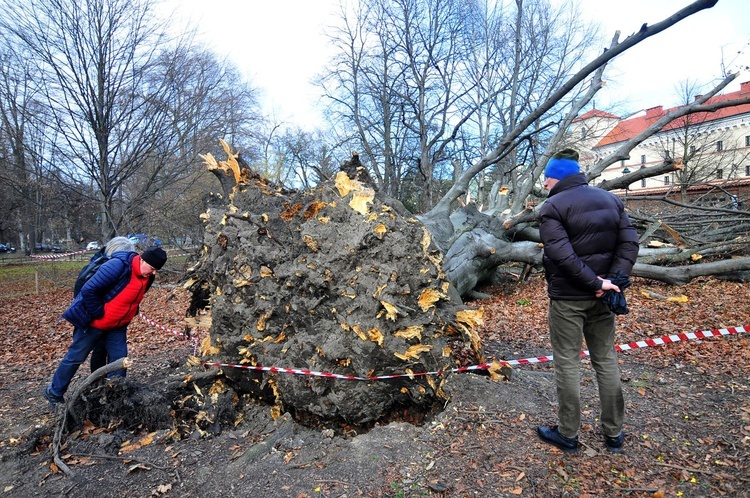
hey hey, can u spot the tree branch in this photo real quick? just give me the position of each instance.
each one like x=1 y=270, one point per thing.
x=507 y=142
x=624 y=181
x=623 y=152
x=680 y=275
x=687 y=206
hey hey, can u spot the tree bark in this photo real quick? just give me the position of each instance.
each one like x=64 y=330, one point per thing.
x=681 y=275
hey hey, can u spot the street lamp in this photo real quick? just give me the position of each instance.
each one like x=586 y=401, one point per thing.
x=625 y=171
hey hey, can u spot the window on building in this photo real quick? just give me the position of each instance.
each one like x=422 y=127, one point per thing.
x=666 y=180
x=747 y=170
x=692 y=150
x=643 y=159
x=747 y=140
x=667 y=155
x=643 y=182
x=719 y=173
x=622 y=162
x=584 y=132
x=719 y=145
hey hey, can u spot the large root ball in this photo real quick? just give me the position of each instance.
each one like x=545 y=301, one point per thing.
x=328 y=280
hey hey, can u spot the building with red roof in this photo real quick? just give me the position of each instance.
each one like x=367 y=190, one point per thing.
x=713 y=147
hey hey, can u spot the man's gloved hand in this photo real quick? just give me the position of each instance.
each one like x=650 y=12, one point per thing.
x=616 y=300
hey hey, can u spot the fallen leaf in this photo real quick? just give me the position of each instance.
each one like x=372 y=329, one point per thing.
x=163 y=488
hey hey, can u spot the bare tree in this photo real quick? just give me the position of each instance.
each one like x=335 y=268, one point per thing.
x=475 y=243
x=430 y=48
x=308 y=155
x=207 y=99
x=25 y=168
x=92 y=63
x=432 y=85
x=525 y=53
x=704 y=146
x=15 y=96
x=131 y=108
x=362 y=84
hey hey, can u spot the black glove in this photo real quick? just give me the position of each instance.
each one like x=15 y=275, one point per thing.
x=616 y=300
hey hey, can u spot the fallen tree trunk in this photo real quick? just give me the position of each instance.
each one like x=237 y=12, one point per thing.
x=475 y=256
x=484 y=243
x=680 y=275
x=674 y=255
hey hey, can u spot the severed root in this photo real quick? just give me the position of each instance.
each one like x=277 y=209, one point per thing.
x=284 y=428
x=62 y=412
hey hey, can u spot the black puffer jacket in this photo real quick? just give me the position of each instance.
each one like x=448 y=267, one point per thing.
x=586 y=234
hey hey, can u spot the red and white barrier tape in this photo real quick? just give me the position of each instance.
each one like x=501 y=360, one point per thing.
x=701 y=334
x=170 y=331
x=660 y=341
x=57 y=256
x=485 y=366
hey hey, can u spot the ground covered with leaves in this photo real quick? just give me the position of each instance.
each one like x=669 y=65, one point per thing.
x=687 y=420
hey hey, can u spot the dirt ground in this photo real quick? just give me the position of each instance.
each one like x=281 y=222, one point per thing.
x=687 y=421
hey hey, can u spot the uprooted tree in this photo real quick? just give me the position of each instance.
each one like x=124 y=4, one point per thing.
x=332 y=281
x=340 y=280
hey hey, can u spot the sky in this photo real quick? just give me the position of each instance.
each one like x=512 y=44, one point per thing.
x=280 y=46
x=652 y=72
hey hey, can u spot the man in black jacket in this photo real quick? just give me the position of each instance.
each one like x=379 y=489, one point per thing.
x=588 y=239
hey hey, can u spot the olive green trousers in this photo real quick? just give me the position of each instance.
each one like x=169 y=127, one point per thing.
x=569 y=323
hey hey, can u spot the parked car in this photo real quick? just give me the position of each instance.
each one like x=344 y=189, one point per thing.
x=42 y=247
x=93 y=246
x=57 y=248
x=143 y=240
x=7 y=248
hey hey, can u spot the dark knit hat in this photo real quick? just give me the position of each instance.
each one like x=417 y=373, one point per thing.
x=562 y=164
x=155 y=256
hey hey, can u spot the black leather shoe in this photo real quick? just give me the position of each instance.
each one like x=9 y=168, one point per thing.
x=551 y=436
x=614 y=444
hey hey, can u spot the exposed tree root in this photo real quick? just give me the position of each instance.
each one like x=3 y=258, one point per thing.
x=62 y=411
x=284 y=428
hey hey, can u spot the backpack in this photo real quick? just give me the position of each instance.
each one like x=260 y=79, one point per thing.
x=88 y=271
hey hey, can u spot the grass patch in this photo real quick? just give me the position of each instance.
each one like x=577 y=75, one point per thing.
x=25 y=276
x=33 y=277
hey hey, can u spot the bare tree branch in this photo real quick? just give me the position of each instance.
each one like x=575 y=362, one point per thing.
x=442 y=208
